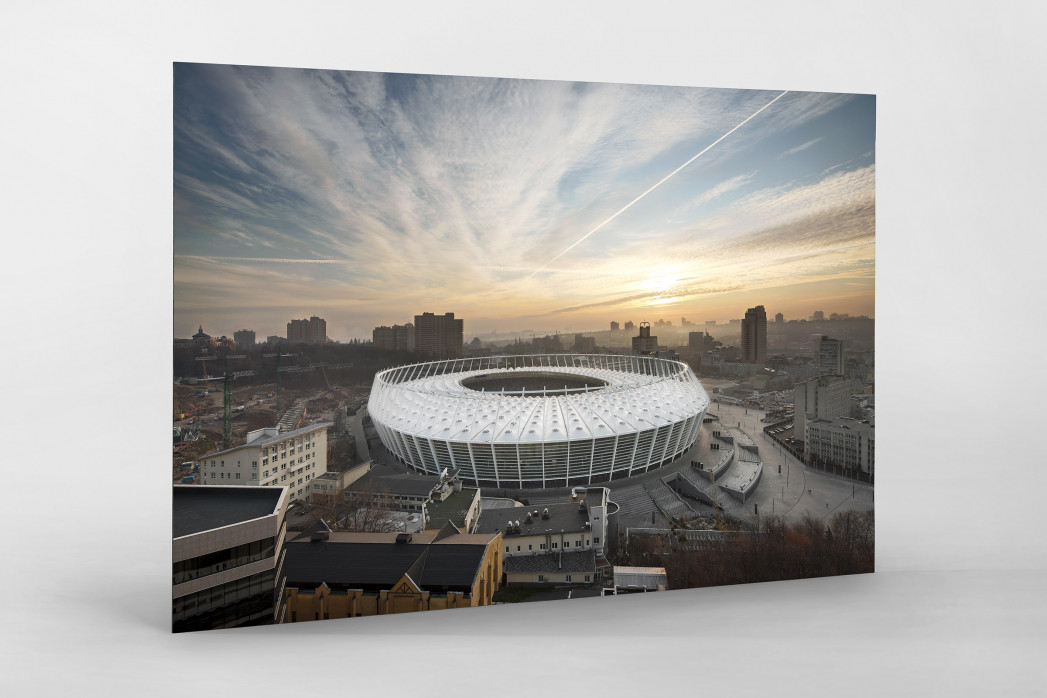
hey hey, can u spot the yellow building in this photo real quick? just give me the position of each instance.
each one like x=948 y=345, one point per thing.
x=345 y=575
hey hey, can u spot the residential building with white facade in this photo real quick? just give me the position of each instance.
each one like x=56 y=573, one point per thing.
x=290 y=459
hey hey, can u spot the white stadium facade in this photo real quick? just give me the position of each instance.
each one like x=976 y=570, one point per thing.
x=542 y=421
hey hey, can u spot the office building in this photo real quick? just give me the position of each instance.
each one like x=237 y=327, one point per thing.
x=438 y=336
x=779 y=318
x=311 y=331
x=628 y=326
x=754 y=335
x=615 y=326
x=226 y=556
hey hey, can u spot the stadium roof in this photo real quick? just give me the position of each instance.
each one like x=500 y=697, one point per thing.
x=439 y=407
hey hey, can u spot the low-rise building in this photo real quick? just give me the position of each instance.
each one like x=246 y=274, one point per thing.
x=227 y=562
x=629 y=580
x=552 y=569
x=844 y=442
x=271 y=457
x=332 y=483
x=533 y=530
x=548 y=532
x=346 y=575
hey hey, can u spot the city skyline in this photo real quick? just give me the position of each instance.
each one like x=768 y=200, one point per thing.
x=368 y=198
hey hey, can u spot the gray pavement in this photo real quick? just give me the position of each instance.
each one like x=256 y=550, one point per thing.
x=797 y=490
x=356 y=423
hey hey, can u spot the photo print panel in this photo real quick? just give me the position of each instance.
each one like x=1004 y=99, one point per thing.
x=445 y=342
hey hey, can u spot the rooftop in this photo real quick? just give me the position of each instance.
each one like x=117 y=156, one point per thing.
x=198 y=508
x=640 y=394
x=405 y=485
x=562 y=517
x=375 y=561
x=452 y=509
x=268 y=439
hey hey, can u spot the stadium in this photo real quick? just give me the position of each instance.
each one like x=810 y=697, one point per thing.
x=543 y=421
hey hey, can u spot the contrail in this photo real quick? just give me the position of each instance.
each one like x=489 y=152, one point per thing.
x=263 y=259
x=662 y=181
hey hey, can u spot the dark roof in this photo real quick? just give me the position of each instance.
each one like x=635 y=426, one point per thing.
x=580 y=561
x=451 y=510
x=200 y=508
x=367 y=566
x=562 y=517
x=409 y=486
x=376 y=566
x=451 y=567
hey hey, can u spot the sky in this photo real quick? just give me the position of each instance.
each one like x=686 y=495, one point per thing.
x=368 y=198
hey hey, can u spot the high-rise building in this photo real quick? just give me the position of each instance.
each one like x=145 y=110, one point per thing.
x=830 y=356
x=818 y=316
x=696 y=341
x=311 y=331
x=439 y=336
x=629 y=325
x=244 y=339
x=395 y=338
x=583 y=344
x=614 y=326
x=754 y=335
x=779 y=318
x=644 y=344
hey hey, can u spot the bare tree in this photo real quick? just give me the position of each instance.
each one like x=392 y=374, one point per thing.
x=358 y=510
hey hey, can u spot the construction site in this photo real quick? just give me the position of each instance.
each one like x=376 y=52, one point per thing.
x=212 y=412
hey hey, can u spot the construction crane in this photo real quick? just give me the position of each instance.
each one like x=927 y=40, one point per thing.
x=227 y=385
x=227 y=394
x=278 y=356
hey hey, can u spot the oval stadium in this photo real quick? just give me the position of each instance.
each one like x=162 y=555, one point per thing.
x=539 y=421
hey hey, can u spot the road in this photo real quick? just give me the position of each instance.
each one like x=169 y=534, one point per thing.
x=796 y=490
x=357 y=425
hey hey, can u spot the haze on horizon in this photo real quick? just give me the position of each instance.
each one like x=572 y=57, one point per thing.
x=367 y=198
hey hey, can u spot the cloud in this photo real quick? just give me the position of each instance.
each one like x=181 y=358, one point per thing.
x=420 y=189
x=805 y=146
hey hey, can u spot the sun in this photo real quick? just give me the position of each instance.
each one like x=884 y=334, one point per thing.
x=660 y=283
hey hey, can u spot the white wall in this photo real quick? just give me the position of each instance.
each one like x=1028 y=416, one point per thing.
x=87 y=177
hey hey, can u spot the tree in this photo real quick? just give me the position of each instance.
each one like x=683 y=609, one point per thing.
x=359 y=510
